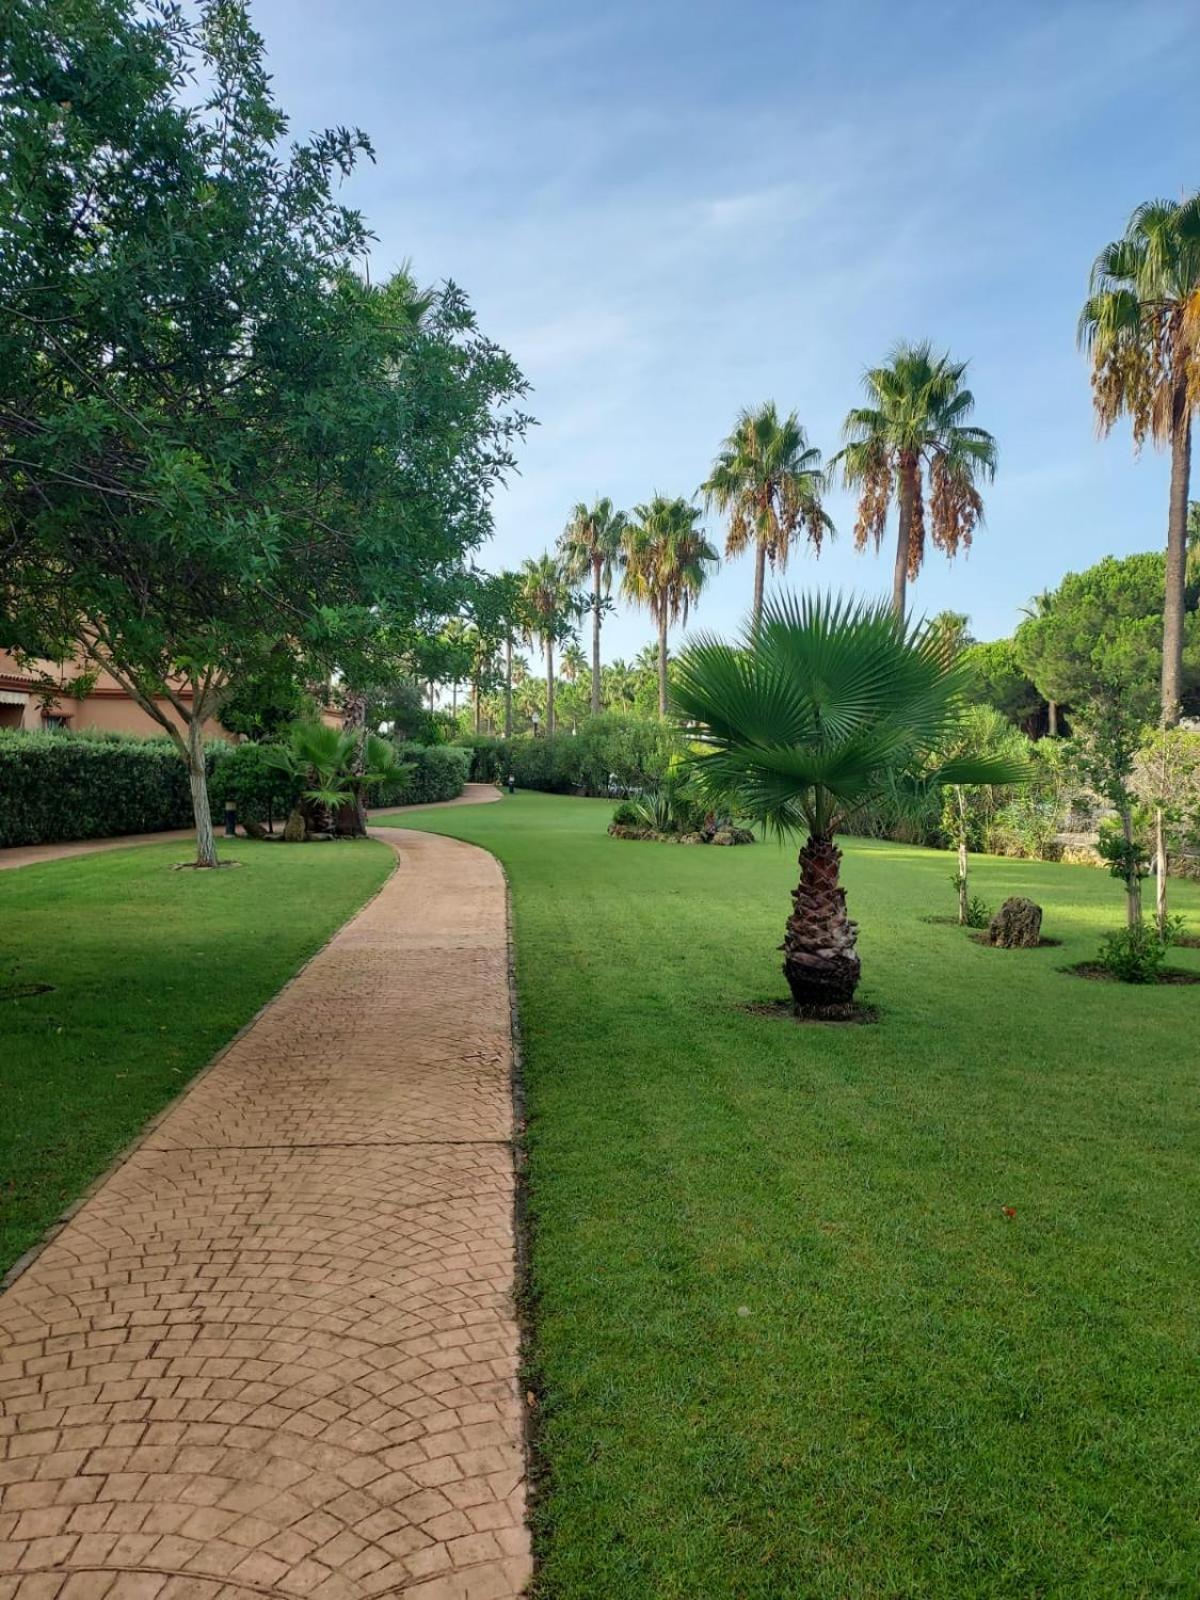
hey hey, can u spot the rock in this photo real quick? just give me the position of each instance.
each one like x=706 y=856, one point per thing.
x=724 y=836
x=294 y=831
x=692 y=838
x=253 y=829
x=1017 y=925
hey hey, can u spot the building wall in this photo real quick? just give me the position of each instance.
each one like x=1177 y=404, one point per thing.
x=107 y=707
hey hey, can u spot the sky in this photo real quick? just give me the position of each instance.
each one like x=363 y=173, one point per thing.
x=670 y=209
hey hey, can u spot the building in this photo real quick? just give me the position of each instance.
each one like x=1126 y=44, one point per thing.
x=80 y=703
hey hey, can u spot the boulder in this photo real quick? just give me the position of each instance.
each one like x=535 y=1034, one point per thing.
x=1017 y=925
x=254 y=829
x=295 y=831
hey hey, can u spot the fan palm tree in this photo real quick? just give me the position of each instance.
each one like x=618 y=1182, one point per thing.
x=549 y=606
x=1141 y=327
x=589 y=545
x=619 y=686
x=913 y=437
x=573 y=664
x=666 y=560
x=823 y=708
x=768 y=481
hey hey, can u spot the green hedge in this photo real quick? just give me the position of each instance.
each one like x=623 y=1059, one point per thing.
x=56 y=786
x=637 y=751
x=434 y=772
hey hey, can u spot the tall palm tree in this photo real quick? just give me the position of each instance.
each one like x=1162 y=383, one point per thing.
x=822 y=708
x=589 y=545
x=913 y=437
x=619 y=687
x=666 y=560
x=549 y=607
x=1141 y=327
x=573 y=664
x=768 y=481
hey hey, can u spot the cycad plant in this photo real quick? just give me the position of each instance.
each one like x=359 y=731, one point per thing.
x=825 y=707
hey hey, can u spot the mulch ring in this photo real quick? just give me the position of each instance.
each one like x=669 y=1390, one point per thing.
x=1042 y=944
x=786 y=1011
x=1100 y=974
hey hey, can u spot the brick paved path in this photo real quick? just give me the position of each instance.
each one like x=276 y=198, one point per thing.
x=274 y=1354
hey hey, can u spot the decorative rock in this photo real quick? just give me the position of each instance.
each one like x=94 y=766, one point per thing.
x=724 y=836
x=294 y=830
x=1017 y=925
x=253 y=829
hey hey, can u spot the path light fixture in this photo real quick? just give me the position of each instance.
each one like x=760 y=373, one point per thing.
x=535 y=719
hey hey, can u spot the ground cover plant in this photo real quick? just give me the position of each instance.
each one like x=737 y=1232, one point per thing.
x=846 y=1313
x=119 y=937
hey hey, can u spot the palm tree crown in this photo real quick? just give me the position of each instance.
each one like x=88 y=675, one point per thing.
x=589 y=545
x=1141 y=327
x=549 y=606
x=666 y=559
x=767 y=480
x=915 y=432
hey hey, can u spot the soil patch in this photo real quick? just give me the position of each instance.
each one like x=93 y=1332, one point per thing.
x=1042 y=944
x=785 y=1011
x=1101 y=974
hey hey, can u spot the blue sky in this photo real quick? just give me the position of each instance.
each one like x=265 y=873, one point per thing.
x=669 y=210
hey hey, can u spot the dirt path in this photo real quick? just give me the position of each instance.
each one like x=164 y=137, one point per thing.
x=274 y=1353
x=475 y=794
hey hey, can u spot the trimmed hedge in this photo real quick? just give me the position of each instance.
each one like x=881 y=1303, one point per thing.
x=56 y=786
x=637 y=751
x=435 y=772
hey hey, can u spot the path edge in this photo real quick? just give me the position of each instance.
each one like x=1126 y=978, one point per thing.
x=26 y=1259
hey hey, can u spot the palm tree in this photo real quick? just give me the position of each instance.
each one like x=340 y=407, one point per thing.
x=823 y=708
x=573 y=664
x=589 y=545
x=619 y=686
x=768 y=481
x=549 y=606
x=914 y=437
x=666 y=558
x=1141 y=327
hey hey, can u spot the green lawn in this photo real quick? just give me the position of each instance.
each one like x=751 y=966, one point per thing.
x=787 y=1341
x=153 y=971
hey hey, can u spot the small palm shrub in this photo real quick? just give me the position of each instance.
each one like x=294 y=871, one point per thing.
x=1134 y=954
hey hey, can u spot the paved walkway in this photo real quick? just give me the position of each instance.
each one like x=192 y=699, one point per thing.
x=474 y=794
x=274 y=1354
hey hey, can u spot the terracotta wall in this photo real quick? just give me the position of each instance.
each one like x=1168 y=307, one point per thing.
x=106 y=707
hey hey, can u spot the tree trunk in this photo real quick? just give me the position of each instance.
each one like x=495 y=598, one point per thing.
x=960 y=798
x=597 y=573
x=454 y=699
x=908 y=473
x=1052 y=718
x=1160 y=873
x=206 y=844
x=1173 y=606
x=820 y=961
x=549 y=686
x=662 y=661
x=508 y=686
x=1133 y=884
x=478 y=708
x=760 y=571
x=351 y=819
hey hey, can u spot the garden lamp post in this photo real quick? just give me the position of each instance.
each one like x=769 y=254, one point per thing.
x=535 y=719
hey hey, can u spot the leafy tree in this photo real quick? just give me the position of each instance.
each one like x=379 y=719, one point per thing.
x=1110 y=724
x=267 y=699
x=819 y=711
x=1104 y=626
x=214 y=435
x=913 y=442
x=666 y=560
x=549 y=609
x=1141 y=327
x=1166 y=778
x=995 y=679
x=767 y=480
x=590 y=545
x=967 y=809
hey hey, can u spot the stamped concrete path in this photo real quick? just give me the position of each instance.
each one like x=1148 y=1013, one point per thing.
x=274 y=1353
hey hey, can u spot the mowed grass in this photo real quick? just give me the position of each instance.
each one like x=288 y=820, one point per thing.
x=152 y=972
x=786 y=1339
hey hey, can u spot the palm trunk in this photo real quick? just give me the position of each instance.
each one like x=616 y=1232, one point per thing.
x=351 y=820
x=662 y=662
x=597 y=572
x=960 y=798
x=1052 y=718
x=1173 y=606
x=908 y=472
x=508 y=686
x=760 y=572
x=549 y=687
x=478 y=707
x=206 y=844
x=820 y=961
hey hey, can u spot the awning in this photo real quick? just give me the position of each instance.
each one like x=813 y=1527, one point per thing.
x=11 y=697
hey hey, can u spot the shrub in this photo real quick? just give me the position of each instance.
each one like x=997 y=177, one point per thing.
x=1134 y=954
x=979 y=913
x=627 y=814
x=245 y=775
x=635 y=751
x=431 y=773
x=60 y=785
